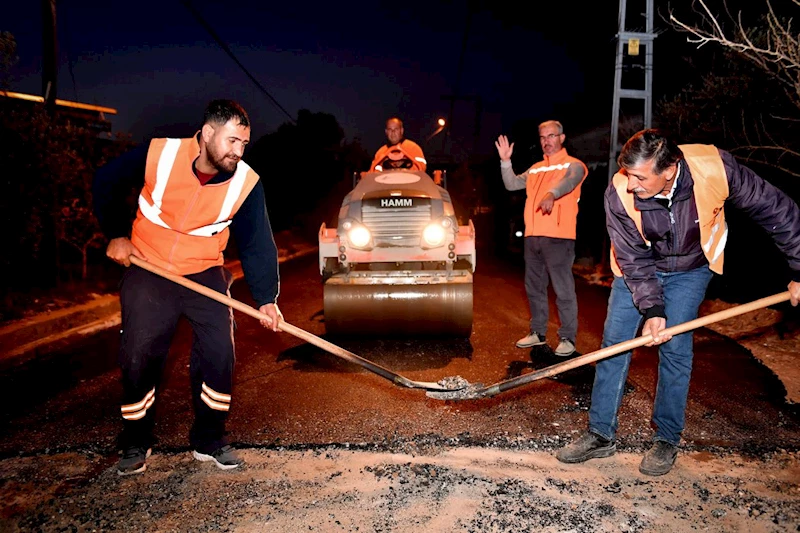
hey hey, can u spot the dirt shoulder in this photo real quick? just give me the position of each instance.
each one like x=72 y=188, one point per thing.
x=771 y=337
x=453 y=489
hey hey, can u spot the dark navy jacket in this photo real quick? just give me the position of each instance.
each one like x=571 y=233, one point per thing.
x=674 y=232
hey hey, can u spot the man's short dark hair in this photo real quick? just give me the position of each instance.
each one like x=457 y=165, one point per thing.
x=650 y=145
x=219 y=112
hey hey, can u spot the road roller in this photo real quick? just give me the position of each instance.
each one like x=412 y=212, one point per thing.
x=398 y=262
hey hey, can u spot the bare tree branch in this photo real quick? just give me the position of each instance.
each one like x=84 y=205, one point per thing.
x=752 y=153
x=764 y=134
x=778 y=55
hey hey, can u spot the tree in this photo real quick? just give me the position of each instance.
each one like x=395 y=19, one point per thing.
x=300 y=164
x=75 y=223
x=45 y=196
x=8 y=57
x=762 y=116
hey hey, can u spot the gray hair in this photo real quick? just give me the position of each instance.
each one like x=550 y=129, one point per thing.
x=555 y=123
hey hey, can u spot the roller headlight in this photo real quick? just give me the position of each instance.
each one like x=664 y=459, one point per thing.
x=359 y=236
x=433 y=235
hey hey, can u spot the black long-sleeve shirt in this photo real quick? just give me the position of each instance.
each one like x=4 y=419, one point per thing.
x=250 y=225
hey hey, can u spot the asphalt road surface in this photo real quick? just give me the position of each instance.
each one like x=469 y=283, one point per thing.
x=288 y=393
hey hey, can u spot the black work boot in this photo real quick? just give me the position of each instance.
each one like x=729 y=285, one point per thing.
x=587 y=446
x=659 y=459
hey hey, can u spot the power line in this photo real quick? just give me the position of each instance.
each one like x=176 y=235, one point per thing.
x=227 y=50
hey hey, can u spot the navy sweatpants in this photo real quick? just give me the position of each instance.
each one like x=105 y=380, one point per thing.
x=151 y=307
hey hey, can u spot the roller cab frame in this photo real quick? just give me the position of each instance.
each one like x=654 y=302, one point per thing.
x=397 y=262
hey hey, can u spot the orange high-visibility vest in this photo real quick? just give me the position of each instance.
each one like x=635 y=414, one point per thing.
x=181 y=225
x=562 y=222
x=710 y=192
x=409 y=148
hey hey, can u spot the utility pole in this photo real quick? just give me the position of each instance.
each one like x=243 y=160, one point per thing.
x=49 y=54
x=633 y=40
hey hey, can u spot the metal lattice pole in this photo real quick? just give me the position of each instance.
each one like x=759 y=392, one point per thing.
x=632 y=39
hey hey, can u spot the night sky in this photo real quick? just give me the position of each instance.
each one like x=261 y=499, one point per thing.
x=158 y=66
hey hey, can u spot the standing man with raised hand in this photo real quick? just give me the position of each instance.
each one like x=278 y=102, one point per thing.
x=553 y=188
x=192 y=191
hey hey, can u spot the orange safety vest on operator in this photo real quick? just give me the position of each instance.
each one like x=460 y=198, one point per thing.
x=562 y=221
x=181 y=225
x=710 y=192
x=409 y=148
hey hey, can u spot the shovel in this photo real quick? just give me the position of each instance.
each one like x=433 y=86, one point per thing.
x=491 y=390
x=450 y=384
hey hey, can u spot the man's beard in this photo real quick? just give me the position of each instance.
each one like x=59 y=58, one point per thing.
x=224 y=163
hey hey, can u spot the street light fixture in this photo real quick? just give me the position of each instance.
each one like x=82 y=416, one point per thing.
x=441 y=122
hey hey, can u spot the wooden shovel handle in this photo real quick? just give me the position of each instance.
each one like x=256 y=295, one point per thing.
x=691 y=325
x=634 y=343
x=282 y=326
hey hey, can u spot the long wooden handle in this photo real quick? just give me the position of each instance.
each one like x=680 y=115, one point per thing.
x=283 y=326
x=631 y=344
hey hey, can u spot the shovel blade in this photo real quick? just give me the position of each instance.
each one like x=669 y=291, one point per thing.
x=470 y=391
x=443 y=386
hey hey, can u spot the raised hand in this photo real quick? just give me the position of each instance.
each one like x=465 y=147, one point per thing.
x=503 y=148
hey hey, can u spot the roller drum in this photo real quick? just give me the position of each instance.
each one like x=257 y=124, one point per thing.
x=429 y=309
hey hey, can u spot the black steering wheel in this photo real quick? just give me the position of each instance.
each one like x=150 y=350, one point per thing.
x=388 y=163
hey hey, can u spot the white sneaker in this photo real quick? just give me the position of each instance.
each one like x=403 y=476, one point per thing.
x=224 y=458
x=565 y=348
x=530 y=341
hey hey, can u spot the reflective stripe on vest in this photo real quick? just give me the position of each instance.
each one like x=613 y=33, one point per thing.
x=536 y=170
x=708 y=171
x=234 y=190
x=165 y=162
x=541 y=178
x=410 y=149
x=705 y=162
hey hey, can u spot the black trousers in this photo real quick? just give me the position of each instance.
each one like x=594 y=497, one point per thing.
x=151 y=308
